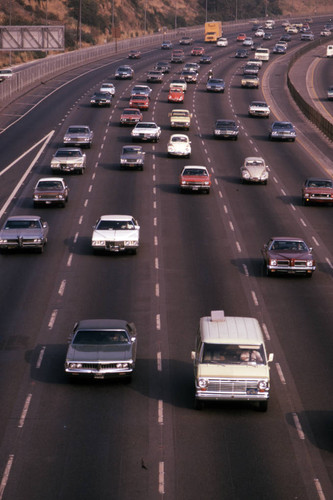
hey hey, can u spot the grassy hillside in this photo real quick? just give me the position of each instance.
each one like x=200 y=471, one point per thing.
x=136 y=17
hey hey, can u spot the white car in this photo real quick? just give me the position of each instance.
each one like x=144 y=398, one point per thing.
x=254 y=169
x=222 y=42
x=108 y=87
x=179 y=145
x=259 y=33
x=248 y=42
x=258 y=62
x=259 y=108
x=116 y=233
x=146 y=131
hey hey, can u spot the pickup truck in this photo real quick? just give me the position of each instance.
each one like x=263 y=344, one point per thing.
x=180 y=118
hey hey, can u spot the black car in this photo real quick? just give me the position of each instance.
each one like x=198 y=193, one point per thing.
x=279 y=49
x=163 y=66
x=242 y=53
x=101 y=99
x=205 y=59
x=285 y=38
x=226 y=129
x=267 y=36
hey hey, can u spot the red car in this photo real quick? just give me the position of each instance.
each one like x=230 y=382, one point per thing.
x=176 y=95
x=198 y=51
x=241 y=37
x=130 y=116
x=195 y=178
x=317 y=190
x=139 y=101
x=134 y=54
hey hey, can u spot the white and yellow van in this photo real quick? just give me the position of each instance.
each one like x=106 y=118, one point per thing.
x=230 y=360
x=329 y=51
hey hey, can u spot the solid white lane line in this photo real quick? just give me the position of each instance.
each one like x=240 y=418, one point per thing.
x=25 y=410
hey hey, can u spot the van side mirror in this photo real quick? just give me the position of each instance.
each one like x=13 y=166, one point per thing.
x=270 y=357
x=193 y=355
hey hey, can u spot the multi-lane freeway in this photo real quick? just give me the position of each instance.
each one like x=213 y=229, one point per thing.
x=107 y=440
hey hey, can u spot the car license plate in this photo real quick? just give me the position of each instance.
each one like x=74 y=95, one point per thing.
x=251 y=391
x=99 y=375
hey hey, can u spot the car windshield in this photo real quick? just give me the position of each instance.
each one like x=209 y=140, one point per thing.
x=289 y=245
x=259 y=104
x=215 y=80
x=230 y=354
x=131 y=112
x=320 y=183
x=23 y=224
x=226 y=124
x=180 y=113
x=123 y=68
x=50 y=185
x=102 y=95
x=115 y=225
x=145 y=125
x=254 y=163
x=195 y=171
x=64 y=153
x=77 y=130
x=179 y=138
x=132 y=149
x=100 y=337
x=283 y=125
x=139 y=98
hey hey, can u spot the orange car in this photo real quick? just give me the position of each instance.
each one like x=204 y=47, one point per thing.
x=195 y=178
x=139 y=101
x=176 y=95
x=241 y=37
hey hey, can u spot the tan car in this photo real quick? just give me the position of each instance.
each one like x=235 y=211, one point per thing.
x=180 y=118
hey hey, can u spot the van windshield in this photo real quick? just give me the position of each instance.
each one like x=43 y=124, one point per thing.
x=231 y=354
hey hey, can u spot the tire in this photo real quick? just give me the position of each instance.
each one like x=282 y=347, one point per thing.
x=263 y=405
x=267 y=272
x=198 y=404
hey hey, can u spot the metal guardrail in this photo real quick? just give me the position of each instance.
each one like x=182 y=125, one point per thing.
x=309 y=111
x=44 y=69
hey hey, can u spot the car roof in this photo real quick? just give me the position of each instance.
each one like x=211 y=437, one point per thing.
x=230 y=330
x=51 y=179
x=195 y=167
x=179 y=135
x=101 y=324
x=254 y=158
x=116 y=217
x=286 y=238
x=24 y=217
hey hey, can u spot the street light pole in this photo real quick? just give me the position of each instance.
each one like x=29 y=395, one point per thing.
x=80 y=22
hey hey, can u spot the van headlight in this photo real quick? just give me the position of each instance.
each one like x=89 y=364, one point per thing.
x=202 y=383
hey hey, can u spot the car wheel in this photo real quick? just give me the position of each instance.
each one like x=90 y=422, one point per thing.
x=263 y=405
x=63 y=204
x=235 y=138
x=309 y=275
x=267 y=271
x=198 y=404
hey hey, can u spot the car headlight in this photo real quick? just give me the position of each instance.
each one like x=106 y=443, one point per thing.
x=130 y=243
x=202 y=383
x=77 y=165
x=122 y=160
x=122 y=365
x=37 y=240
x=273 y=262
x=206 y=183
x=98 y=243
x=246 y=174
x=263 y=385
x=74 y=365
x=309 y=263
x=3 y=241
